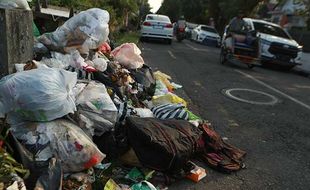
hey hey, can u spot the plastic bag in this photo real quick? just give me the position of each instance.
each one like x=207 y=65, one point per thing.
x=144 y=112
x=144 y=185
x=87 y=30
x=165 y=79
x=23 y=4
x=38 y=95
x=62 y=61
x=128 y=55
x=100 y=64
x=169 y=98
x=62 y=139
x=95 y=104
x=161 y=88
x=105 y=48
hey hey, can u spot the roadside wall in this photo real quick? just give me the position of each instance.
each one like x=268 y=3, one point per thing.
x=16 y=38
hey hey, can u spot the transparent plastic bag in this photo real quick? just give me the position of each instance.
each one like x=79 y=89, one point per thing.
x=95 y=104
x=161 y=88
x=62 y=139
x=41 y=94
x=62 y=61
x=128 y=55
x=22 y=4
x=87 y=30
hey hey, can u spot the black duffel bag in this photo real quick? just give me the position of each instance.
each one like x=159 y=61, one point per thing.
x=163 y=145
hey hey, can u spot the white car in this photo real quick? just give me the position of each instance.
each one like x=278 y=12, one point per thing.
x=276 y=45
x=157 y=26
x=206 y=34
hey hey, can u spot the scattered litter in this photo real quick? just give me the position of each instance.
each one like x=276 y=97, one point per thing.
x=83 y=115
x=197 y=174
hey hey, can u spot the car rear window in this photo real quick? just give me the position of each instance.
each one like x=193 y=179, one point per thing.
x=158 y=18
x=208 y=29
x=271 y=30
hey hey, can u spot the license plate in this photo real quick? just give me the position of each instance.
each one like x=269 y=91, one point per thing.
x=158 y=27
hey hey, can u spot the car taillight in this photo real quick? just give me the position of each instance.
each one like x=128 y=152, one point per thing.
x=168 y=26
x=147 y=24
x=181 y=29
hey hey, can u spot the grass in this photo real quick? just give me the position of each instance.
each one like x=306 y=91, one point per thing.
x=128 y=37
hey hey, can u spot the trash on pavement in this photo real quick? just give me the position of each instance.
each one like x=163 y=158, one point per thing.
x=165 y=79
x=169 y=98
x=170 y=111
x=197 y=174
x=22 y=4
x=157 y=143
x=87 y=30
x=219 y=154
x=100 y=64
x=62 y=61
x=144 y=185
x=45 y=99
x=105 y=48
x=61 y=138
x=144 y=112
x=10 y=170
x=128 y=55
x=161 y=89
x=112 y=185
x=52 y=178
x=83 y=116
x=95 y=104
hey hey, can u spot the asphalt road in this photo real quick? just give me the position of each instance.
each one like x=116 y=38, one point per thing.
x=275 y=137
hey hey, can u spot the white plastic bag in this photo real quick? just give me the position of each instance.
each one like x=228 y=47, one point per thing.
x=19 y=67
x=128 y=55
x=100 y=64
x=62 y=139
x=87 y=30
x=41 y=94
x=144 y=112
x=23 y=4
x=95 y=104
x=62 y=61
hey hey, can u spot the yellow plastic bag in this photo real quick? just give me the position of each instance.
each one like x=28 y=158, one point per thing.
x=111 y=185
x=164 y=78
x=168 y=99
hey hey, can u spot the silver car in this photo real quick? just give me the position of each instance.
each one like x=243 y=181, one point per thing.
x=158 y=27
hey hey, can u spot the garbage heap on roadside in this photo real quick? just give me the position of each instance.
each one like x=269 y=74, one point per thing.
x=84 y=116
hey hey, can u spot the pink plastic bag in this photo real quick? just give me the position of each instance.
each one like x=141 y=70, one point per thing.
x=128 y=55
x=105 y=48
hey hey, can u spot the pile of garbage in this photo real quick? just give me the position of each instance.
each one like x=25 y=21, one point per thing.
x=85 y=116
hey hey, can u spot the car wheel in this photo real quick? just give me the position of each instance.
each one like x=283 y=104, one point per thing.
x=223 y=58
x=169 y=41
x=250 y=66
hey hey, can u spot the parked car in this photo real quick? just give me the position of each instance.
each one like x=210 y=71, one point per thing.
x=158 y=27
x=207 y=35
x=276 y=44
